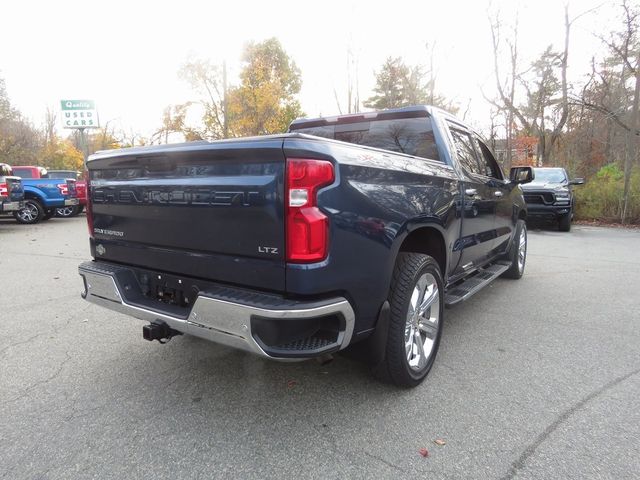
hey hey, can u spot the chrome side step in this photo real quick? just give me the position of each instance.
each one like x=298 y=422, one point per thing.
x=474 y=284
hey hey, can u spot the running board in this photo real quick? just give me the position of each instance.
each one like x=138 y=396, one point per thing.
x=474 y=284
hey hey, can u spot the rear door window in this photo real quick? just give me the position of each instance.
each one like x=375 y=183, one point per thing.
x=466 y=153
x=487 y=162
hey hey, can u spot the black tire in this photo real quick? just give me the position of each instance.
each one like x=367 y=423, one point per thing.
x=67 y=212
x=409 y=270
x=516 y=270
x=564 y=223
x=80 y=209
x=31 y=214
x=48 y=214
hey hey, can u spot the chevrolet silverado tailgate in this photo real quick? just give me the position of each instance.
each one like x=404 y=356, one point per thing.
x=208 y=210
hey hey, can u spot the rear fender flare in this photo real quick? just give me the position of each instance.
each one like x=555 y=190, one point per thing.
x=409 y=228
x=34 y=194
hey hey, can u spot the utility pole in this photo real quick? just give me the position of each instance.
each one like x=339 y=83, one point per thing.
x=83 y=145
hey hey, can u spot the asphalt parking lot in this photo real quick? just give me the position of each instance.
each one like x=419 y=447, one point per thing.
x=537 y=378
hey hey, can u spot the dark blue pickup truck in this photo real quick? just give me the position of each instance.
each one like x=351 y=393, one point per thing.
x=352 y=231
x=11 y=191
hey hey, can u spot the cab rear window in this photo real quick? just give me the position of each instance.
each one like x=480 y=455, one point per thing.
x=23 y=172
x=411 y=136
x=62 y=174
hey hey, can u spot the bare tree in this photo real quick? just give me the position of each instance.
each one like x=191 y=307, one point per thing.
x=353 y=83
x=534 y=117
x=210 y=81
x=506 y=86
x=353 y=90
x=132 y=138
x=174 y=121
x=50 y=126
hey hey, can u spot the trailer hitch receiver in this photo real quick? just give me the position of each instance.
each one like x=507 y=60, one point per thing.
x=159 y=330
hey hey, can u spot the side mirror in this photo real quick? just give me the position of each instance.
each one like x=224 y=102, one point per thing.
x=577 y=181
x=519 y=175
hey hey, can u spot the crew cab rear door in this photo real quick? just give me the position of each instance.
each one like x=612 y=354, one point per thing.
x=478 y=208
x=502 y=192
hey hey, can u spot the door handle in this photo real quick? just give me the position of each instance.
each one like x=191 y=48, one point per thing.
x=470 y=192
x=498 y=193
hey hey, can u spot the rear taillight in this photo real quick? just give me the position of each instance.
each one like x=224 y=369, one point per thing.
x=4 y=190
x=64 y=190
x=307 y=228
x=89 y=206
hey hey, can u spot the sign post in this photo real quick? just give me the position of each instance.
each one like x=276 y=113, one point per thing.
x=80 y=115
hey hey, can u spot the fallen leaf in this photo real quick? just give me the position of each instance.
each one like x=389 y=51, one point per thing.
x=424 y=452
x=439 y=441
x=291 y=383
x=85 y=320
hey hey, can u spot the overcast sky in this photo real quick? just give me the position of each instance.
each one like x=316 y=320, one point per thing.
x=126 y=54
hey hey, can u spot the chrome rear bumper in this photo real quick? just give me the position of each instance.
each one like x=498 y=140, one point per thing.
x=224 y=315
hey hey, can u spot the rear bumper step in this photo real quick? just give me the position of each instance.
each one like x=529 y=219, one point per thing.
x=267 y=325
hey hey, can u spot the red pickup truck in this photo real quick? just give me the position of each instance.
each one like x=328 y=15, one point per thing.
x=40 y=172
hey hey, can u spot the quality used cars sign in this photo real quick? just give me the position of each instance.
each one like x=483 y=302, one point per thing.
x=79 y=114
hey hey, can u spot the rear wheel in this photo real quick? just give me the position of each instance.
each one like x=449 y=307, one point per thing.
x=518 y=252
x=31 y=213
x=564 y=223
x=67 y=212
x=415 y=324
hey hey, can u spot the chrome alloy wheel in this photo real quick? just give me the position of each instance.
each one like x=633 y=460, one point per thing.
x=29 y=213
x=423 y=322
x=64 y=211
x=522 y=248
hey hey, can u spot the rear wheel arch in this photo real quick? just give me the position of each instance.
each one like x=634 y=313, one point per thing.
x=424 y=239
x=29 y=195
x=429 y=241
x=522 y=215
